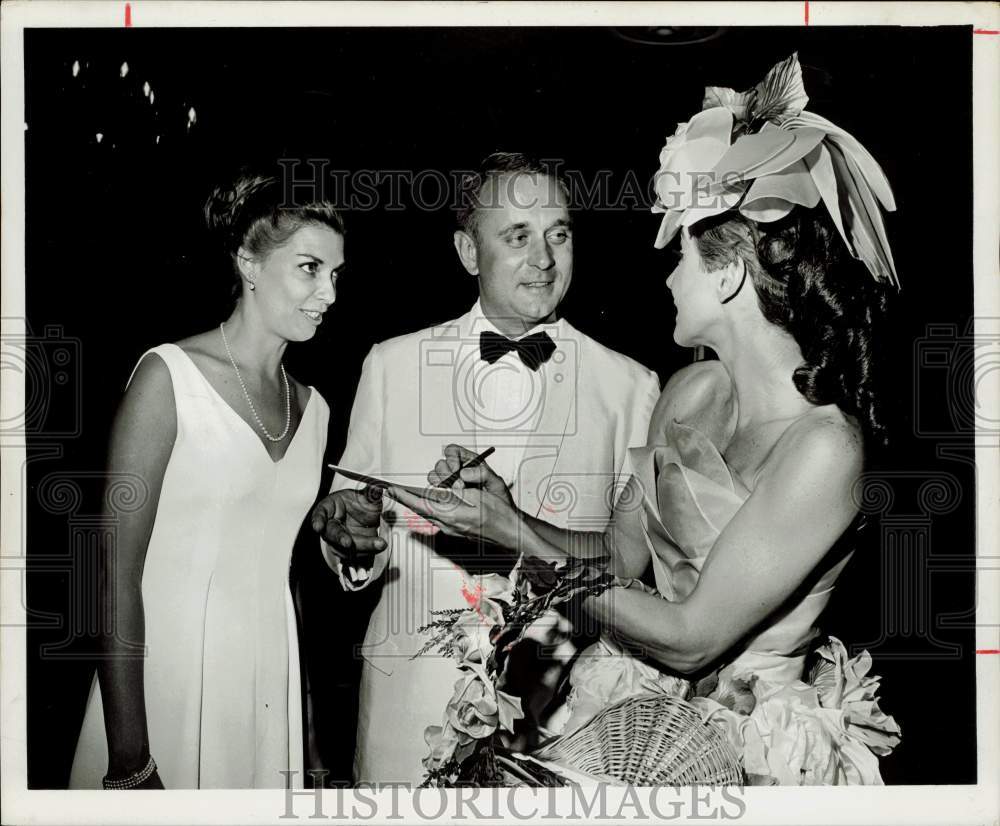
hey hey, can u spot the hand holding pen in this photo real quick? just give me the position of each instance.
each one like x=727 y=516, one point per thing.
x=455 y=455
x=466 y=499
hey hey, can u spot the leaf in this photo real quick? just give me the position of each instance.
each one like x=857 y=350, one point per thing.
x=821 y=168
x=850 y=145
x=593 y=572
x=862 y=219
x=766 y=152
x=668 y=228
x=739 y=103
x=509 y=709
x=793 y=184
x=706 y=685
x=781 y=95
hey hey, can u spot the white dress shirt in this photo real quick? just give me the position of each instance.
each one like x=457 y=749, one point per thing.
x=507 y=399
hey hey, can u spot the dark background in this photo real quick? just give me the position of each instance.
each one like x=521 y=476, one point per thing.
x=117 y=262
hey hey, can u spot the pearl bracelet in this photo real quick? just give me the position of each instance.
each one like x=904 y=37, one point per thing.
x=134 y=779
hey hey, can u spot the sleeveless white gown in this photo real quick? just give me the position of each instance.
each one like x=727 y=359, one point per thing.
x=221 y=671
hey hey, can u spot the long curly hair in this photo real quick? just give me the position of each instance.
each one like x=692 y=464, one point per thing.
x=808 y=284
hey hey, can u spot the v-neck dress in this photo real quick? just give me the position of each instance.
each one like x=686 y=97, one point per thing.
x=221 y=670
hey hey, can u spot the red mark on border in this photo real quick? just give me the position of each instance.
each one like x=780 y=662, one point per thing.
x=986 y=31
x=128 y=15
x=807 y=12
x=988 y=650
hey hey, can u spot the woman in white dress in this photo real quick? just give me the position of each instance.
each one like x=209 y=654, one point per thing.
x=198 y=686
x=744 y=502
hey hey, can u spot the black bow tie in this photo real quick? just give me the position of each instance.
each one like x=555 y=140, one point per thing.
x=534 y=350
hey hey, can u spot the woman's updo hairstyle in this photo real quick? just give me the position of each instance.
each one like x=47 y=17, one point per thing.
x=808 y=284
x=255 y=212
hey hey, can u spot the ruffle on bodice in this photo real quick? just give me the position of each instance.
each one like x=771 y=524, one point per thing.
x=689 y=496
x=787 y=730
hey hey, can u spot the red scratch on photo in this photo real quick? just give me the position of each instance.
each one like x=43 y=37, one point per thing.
x=986 y=31
x=473 y=597
x=128 y=15
x=417 y=524
x=807 y=12
x=988 y=650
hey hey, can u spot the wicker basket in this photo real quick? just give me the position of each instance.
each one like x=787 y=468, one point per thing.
x=649 y=740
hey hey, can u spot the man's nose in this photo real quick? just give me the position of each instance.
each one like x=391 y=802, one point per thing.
x=541 y=256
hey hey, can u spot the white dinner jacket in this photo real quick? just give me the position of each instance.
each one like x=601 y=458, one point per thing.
x=416 y=394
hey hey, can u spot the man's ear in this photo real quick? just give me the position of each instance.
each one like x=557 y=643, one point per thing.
x=465 y=246
x=731 y=279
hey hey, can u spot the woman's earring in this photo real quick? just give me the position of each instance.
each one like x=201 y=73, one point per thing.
x=252 y=285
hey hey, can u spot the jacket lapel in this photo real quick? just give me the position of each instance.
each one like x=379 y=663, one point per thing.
x=444 y=362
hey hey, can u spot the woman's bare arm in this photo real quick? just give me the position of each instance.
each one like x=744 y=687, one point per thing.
x=142 y=438
x=800 y=507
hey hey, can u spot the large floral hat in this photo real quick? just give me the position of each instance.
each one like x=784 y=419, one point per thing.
x=759 y=152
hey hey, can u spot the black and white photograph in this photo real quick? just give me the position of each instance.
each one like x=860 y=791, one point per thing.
x=431 y=411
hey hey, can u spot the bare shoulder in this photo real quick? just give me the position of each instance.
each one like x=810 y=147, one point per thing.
x=824 y=443
x=151 y=383
x=204 y=349
x=147 y=413
x=825 y=429
x=700 y=394
x=206 y=352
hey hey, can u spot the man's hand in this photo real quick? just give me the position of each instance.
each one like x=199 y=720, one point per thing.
x=348 y=522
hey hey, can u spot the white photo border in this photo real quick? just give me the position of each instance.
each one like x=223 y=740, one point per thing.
x=972 y=804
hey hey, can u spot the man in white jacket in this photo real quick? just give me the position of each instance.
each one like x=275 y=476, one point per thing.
x=560 y=410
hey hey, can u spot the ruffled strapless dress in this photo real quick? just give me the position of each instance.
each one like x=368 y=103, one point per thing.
x=828 y=730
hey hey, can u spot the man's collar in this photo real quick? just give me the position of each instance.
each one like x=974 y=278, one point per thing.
x=479 y=322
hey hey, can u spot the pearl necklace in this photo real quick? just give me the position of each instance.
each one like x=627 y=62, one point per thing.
x=246 y=395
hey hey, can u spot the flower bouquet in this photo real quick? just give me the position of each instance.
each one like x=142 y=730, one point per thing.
x=468 y=746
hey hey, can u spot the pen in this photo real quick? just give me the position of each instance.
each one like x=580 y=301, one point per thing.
x=475 y=460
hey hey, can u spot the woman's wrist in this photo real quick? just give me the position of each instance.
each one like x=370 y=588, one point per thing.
x=507 y=531
x=533 y=542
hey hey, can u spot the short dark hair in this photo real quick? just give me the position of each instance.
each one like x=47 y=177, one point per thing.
x=493 y=168
x=251 y=211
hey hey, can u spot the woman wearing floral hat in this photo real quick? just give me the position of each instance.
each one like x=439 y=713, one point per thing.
x=744 y=500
